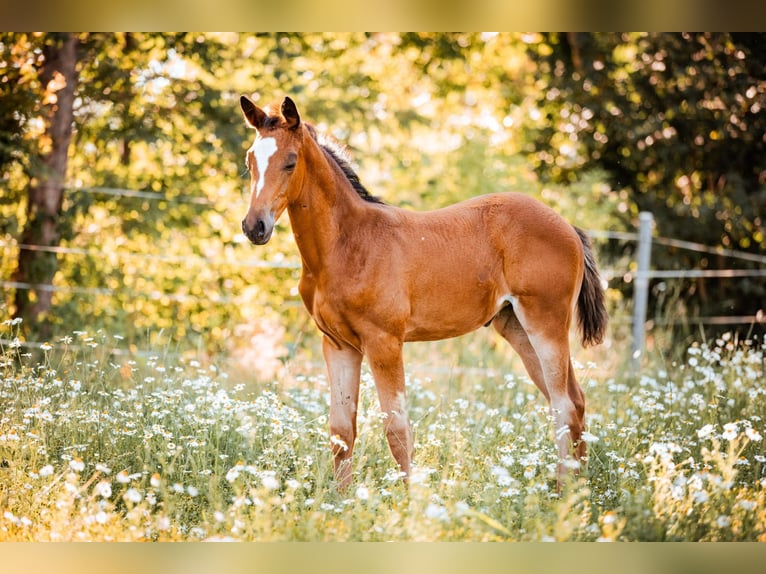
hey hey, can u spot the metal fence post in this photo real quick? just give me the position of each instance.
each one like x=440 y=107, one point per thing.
x=641 y=289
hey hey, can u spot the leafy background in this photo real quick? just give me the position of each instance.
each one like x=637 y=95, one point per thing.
x=600 y=126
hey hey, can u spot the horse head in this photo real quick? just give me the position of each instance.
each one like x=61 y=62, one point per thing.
x=273 y=162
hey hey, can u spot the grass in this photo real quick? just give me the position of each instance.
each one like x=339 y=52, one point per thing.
x=95 y=448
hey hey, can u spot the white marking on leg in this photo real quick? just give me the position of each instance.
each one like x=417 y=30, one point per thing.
x=263 y=149
x=401 y=399
x=503 y=300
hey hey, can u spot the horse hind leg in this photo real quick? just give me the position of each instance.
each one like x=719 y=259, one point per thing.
x=577 y=396
x=507 y=324
x=541 y=339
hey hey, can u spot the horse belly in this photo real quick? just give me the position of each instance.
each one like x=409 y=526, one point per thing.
x=445 y=313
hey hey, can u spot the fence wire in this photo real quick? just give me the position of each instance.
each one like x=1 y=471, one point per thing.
x=609 y=274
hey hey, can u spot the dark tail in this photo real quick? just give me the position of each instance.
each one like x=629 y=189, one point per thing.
x=591 y=311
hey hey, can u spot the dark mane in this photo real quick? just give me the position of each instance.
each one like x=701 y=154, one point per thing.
x=338 y=155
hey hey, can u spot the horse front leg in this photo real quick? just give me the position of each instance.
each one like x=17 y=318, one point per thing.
x=385 y=358
x=344 y=369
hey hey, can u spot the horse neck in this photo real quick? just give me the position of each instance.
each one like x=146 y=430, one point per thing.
x=324 y=204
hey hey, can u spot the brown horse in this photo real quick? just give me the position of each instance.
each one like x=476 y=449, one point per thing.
x=376 y=276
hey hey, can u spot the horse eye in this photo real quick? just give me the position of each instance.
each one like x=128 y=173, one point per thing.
x=290 y=166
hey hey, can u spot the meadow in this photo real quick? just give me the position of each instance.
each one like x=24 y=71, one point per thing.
x=170 y=447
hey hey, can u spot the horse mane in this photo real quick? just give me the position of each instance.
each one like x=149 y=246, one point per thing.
x=339 y=156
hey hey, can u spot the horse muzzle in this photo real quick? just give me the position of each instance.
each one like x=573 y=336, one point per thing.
x=258 y=230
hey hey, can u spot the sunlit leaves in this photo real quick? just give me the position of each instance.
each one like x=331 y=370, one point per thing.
x=673 y=120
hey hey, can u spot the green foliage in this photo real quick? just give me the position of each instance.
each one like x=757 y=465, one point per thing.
x=676 y=121
x=157 y=115
x=429 y=119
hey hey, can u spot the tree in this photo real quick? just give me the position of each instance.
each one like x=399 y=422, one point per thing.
x=677 y=121
x=57 y=84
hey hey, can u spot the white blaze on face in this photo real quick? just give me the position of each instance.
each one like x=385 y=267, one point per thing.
x=263 y=149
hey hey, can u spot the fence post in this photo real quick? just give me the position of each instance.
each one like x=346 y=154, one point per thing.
x=641 y=289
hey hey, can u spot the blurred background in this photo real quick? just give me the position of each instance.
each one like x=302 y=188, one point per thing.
x=122 y=178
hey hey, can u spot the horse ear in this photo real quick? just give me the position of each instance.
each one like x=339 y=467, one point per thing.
x=254 y=115
x=290 y=113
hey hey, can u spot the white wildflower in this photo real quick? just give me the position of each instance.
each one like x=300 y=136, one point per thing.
x=339 y=442
x=729 y=431
x=700 y=497
x=270 y=482
x=233 y=473
x=706 y=431
x=132 y=495
x=723 y=521
x=102 y=517
x=362 y=492
x=502 y=475
x=436 y=512
x=570 y=464
x=588 y=437
x=747 y=504
x=753 y=434
x=103 y=489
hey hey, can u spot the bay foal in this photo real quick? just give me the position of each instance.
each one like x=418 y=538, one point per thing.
x=375 y=276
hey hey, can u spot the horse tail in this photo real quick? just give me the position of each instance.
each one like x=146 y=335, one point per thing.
x=591 y=310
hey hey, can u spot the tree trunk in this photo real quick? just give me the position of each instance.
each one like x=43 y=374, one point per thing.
x=58 y=79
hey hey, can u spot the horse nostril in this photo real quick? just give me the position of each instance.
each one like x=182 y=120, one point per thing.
x=257 y=232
